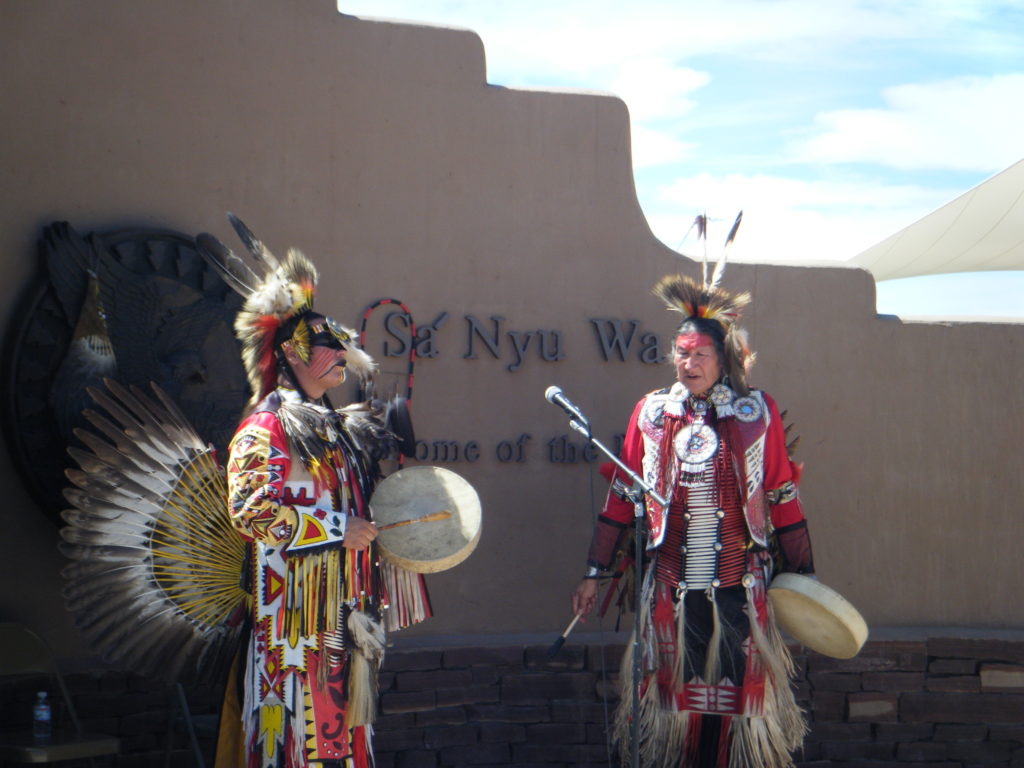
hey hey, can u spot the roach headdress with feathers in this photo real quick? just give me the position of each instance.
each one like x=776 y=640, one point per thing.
x=708 y=308
x=277 y=311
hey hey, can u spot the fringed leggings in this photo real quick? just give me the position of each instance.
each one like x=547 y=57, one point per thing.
x=745 y=717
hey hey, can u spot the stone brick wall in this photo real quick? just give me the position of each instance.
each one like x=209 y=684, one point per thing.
x=496 y=705
x=952 y=703
x=135 y=709
x=947 y=702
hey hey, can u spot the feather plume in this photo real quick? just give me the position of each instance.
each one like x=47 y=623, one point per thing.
x=698 y=224
x=732 y=232
x=233 y=270
x=259 y=251
x=738 y=359
x=702 y=226
x=702 y=237
x=154 y=476
x=716 y=278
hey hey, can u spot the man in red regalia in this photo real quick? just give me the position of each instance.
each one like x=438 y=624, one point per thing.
x=715 y=688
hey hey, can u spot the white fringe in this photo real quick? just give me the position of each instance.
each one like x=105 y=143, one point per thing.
x=679 y=667
x=712 y=667
x=365 y=657
x=786 y=710
x=758 y=742
x=763 y=740
x=250 y=687
x=662 y=733
x=649 y=652
x=298 y=726
x=406 y=605
x=769 y=738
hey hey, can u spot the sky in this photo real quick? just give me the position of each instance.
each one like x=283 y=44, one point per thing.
x=832 y=125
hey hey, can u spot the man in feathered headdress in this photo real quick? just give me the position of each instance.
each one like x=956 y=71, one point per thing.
x=300 y=474
x=715 y=687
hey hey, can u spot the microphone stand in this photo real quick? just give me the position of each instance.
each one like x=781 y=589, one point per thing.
x=638 y=490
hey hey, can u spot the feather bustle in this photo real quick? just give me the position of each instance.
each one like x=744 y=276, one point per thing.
x=149 y=539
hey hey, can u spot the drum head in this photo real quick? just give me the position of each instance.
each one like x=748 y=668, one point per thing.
x=430 y=545
x=817 y=616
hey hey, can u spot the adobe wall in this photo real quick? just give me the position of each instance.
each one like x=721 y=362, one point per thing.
x=381 y=150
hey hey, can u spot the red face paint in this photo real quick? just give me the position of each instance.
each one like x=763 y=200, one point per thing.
x=321 y=360
x=690 y=341
x=696 y=362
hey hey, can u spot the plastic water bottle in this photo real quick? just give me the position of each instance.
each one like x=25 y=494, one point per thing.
x=42 y=721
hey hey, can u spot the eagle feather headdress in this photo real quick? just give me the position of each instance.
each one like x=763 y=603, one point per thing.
x=275 y=293
x=708 y=301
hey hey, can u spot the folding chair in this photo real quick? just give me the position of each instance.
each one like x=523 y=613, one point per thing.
x=22 y=651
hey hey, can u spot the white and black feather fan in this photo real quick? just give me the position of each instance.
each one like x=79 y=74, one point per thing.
x=156 y=578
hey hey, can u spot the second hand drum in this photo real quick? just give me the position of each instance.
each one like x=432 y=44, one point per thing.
x=817 y=616
x=428 y=517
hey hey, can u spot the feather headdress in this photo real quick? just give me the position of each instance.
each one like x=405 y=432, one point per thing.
x=278 y=297
x=707 y=302
x=691 y=299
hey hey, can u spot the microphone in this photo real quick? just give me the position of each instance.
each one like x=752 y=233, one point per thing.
x=554 y=395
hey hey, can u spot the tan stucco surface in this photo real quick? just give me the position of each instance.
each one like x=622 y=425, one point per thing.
x=381 y=150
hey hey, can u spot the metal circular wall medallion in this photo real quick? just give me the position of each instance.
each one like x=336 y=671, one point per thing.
x=138 y=306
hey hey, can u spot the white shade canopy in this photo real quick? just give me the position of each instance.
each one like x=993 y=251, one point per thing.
x=981 y=230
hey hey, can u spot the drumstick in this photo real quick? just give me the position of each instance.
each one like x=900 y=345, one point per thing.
x=444 y=514
x=557 y=645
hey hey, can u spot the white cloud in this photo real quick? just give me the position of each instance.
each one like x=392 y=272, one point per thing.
x=656 y=88
x=589 y=38
x=966 y=123
x=653 y=147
